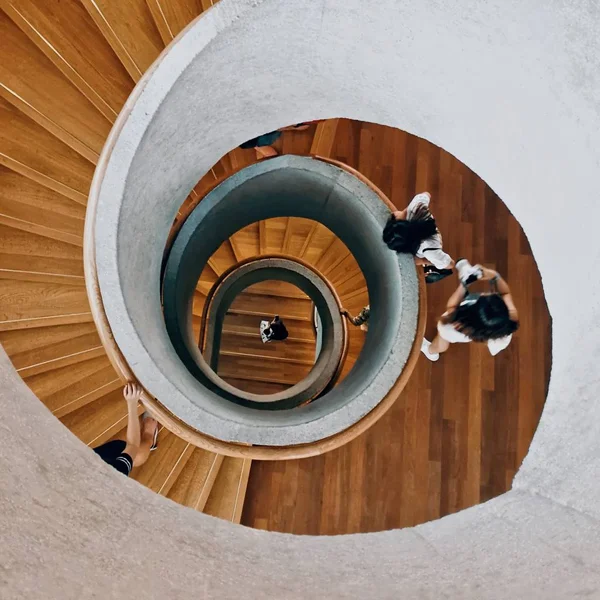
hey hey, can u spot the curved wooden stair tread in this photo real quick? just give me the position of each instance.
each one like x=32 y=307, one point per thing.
x=57 y=104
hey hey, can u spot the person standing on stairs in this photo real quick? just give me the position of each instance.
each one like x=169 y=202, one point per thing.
x=273 y=331
x=263 y=144
x=414 y=231
x=490 y=317
x=361 y=320
x=141 y=440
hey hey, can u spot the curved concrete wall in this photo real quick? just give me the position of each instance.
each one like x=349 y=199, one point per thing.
x=265 y=269
x=512 y=88
x=287 y=185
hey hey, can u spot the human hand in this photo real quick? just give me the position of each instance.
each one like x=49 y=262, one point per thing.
x=132 y=392
x=487 y=273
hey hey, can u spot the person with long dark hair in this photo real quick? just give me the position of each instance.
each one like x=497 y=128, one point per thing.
x=489 y=318
x=414 y=231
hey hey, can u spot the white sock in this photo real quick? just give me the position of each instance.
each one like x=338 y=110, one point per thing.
x=425 y=350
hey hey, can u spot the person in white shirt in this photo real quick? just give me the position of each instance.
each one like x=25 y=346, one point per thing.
x=414 y=231
x=491 y=317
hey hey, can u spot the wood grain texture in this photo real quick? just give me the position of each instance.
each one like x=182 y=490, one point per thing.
x=98 y=421
x=130 y=30
x=29 y=206
x=28 y=149
x=64 y=31
x=227 y=496
x=462 y=426
x=30 y=81
x=195 y=482
x=173 y=16
x=165 y=464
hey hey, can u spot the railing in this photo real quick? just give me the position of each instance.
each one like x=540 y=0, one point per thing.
x=156 y=409
x=208 y=306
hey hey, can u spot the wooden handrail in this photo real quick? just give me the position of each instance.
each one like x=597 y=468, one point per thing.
x=215 y=287
x=154 y=407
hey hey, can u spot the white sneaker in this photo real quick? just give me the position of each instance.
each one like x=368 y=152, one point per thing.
x=425 y=350
x=468 y=273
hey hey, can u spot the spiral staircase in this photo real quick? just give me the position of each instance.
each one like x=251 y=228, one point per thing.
x=72 y=65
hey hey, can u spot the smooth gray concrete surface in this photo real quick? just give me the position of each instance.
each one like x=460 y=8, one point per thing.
x=324 y=369
x=287 y=185
x=512 y=89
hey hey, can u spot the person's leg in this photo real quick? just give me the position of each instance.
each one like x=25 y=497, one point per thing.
x=439 y=345
x=149 y=431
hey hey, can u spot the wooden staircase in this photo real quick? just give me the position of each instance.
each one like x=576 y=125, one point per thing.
x=67 y=68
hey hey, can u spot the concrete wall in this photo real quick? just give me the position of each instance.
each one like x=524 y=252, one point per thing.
x=287 y=185
x=512 y=89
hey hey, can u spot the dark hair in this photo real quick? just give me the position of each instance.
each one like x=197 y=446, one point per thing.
x=406 y=235
x=279 y=330
x=485 y=318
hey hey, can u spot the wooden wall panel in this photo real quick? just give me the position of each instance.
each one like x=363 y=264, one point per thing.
x=64 y=31
x=38 y=88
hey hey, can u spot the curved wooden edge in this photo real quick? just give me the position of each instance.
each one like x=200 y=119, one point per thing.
x=279 y=256
x=358 y=176
x=154 y=407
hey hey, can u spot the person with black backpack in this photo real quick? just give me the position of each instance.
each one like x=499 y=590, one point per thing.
x=414 y=231
x=273 y=331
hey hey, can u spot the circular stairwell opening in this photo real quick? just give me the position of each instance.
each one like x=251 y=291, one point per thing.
x=250 y=363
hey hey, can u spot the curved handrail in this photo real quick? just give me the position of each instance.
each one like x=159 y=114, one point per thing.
x=224 y=276
x=158 y=410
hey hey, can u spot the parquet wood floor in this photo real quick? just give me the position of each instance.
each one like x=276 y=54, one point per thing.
x=461 y=428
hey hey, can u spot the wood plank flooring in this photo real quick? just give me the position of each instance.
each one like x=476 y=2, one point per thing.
x=460 y=430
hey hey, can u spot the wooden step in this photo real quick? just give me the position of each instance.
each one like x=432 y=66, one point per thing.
x=316 y=244
x=247 y=241
x=33 y=346
x=256 y=387
x=27 y=256
x=27 y=205
x=30 y=150
x=65 y=33
x=69 y=388
x=269 y=306
x=296 y=233
x=31 y=299
x=324 y=137
x=223 y=259
x=130 y=30
x=226 y=499
x=32 y=83
x=207 y=279
x=261 y=369
x=194 y=484
x=98 y=421
x=281 y=289
x=171 y=17
x=300 y=350
x=165 y=464
x=248 y=324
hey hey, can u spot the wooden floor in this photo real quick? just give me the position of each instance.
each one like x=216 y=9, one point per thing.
x=463 y=425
